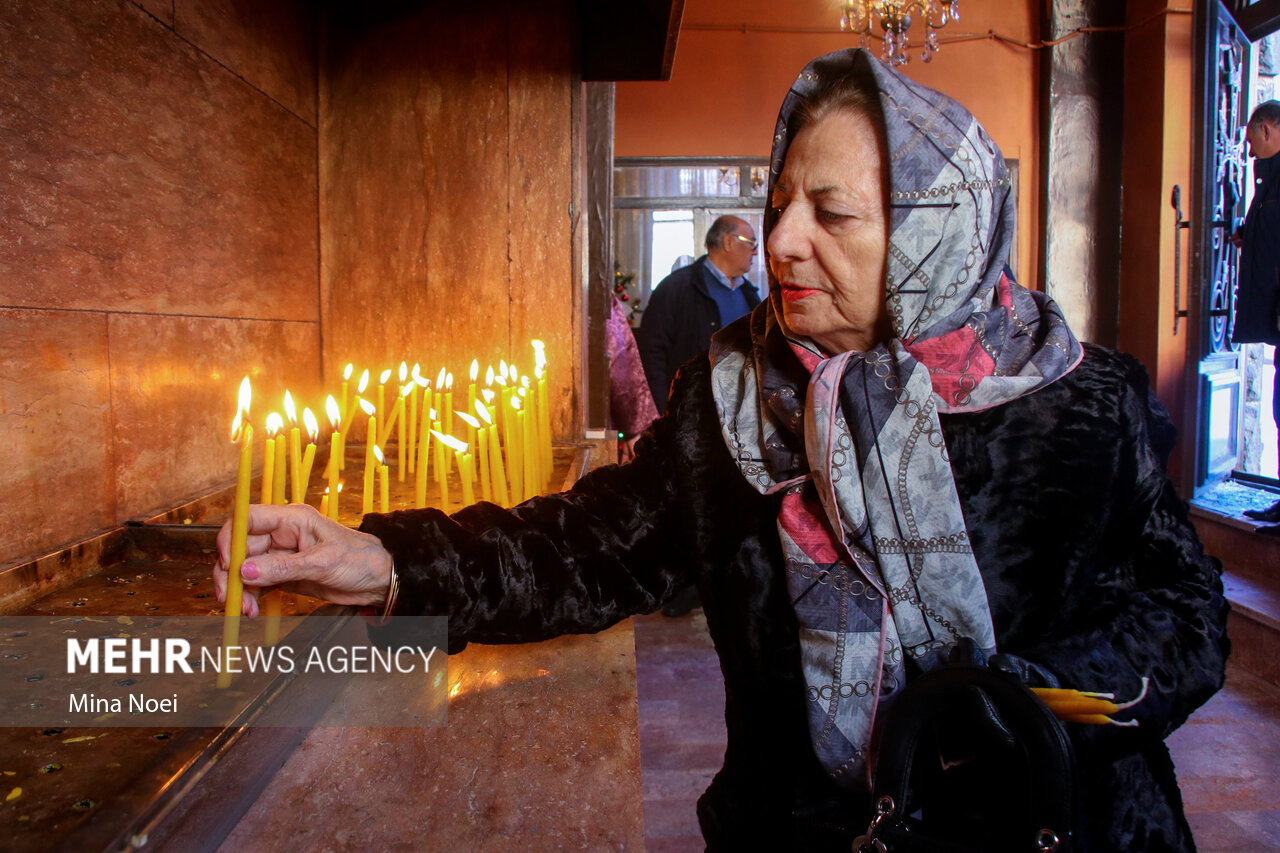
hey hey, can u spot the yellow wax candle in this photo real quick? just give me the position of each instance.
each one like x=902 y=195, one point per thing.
x=544 y=410
x=324 y=503
x=448 y=415
x=309 y=454
x=296 y=488
x=242 y=432
x=382 y=395
x=464 y=471
x=346 y=380
x=336 y=446
x=515 y=450
x=472 y=425
x=393 y=417
x=412 y=412
x=402 y=446
x=384 y=486
x=496 y=470
x=471 y=399
x=441 y=475
x=420 y=476
x=268 y=467
x=278 y=496
x=530 y=453
x=533 y=451
x=350 y=416
x=482 y=453
x=370 y=441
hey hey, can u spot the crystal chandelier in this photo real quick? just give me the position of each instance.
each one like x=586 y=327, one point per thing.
x=894 y=17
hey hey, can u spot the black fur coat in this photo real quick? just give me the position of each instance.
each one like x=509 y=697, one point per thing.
x=1090 y=565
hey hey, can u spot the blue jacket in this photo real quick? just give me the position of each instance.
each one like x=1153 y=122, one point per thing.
x=678 y=324
x=1258 y=293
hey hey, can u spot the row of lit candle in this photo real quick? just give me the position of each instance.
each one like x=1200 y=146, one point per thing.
x=508 y=452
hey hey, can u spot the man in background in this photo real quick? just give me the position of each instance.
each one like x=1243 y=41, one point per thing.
x=690 y=305
x=1258 y=292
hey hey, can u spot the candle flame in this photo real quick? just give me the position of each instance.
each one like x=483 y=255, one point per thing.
x=419 y=380
x=475 y=369
x=409 y=386
x=450 y=441
x=522 y=391
x=488 y=395
x=488 y=375
x=448 y=382
x=515 y=403
x=386 y=374
x=440 y=378
x=246 y=396
x=369 y=408
x=468 y=420
x=539 y=354
x=313 y=426
x=346 y=371
x=275 y=424
x=331 y=409
x=235 y=427
x=290 y=411
x=502 y=367
x=524 y=381
x=501 y=379
x=364 y=381
x=404 y=372
x=416 y=371
x=513 y=373
x=377 y=451
x=432 y=416
x=483 y=413
x=537 y=372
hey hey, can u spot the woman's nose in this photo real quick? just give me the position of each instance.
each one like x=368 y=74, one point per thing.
x=787 y=240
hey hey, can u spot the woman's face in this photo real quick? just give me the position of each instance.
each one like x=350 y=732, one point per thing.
x=828 y=246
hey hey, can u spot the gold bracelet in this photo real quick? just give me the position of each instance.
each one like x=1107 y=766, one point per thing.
x=393 y=592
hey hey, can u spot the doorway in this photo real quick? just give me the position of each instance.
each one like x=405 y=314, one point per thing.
x=1231 y=387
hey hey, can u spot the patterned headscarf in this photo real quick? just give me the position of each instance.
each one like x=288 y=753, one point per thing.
x=878 y=560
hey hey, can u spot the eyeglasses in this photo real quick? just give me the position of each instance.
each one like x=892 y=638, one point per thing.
x=752 y=243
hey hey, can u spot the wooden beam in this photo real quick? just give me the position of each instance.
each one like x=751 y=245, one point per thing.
x=630 y=41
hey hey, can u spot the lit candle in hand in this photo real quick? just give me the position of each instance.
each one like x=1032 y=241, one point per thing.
x=242 y=432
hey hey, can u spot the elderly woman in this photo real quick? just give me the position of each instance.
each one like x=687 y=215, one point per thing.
x=900 y=450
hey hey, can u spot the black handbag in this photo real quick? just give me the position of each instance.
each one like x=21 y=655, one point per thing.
x=1015 y=792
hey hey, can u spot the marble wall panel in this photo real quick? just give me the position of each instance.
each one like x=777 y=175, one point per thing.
x=55 y=427
x=143 y=176
x=414 y=208
x=540 y=193
x=271 y=45
x=173 y=388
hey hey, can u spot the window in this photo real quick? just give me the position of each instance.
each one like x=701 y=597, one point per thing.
x=662 y=208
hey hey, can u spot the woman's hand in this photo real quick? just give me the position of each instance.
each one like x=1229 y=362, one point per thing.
x=296 y=549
